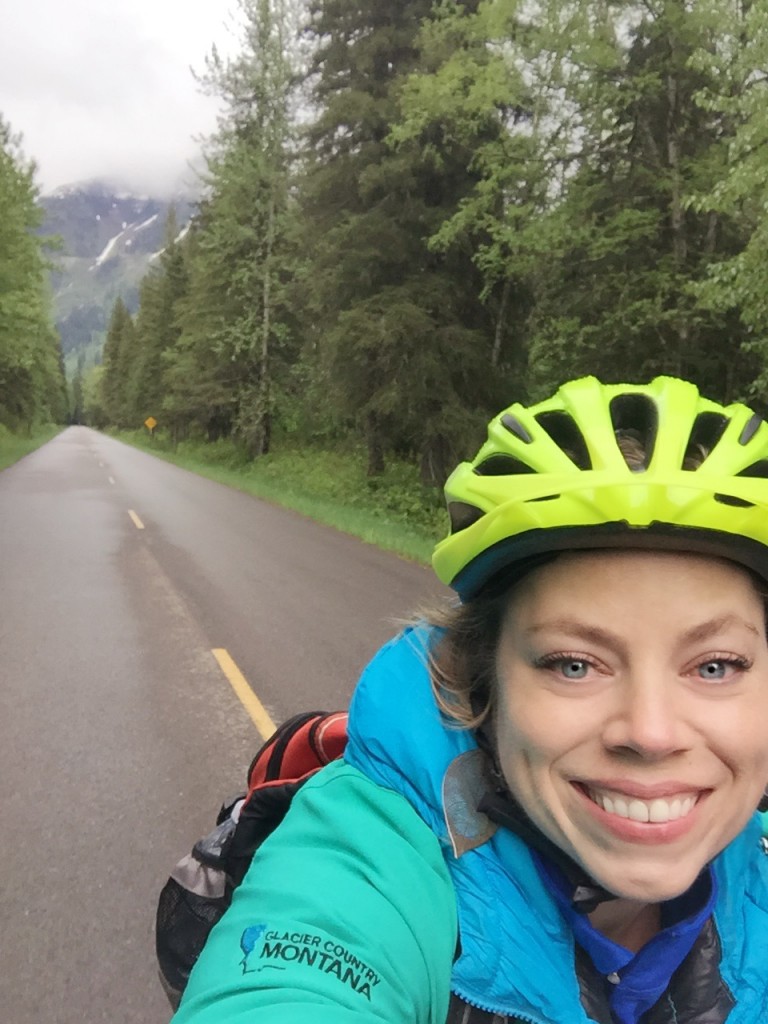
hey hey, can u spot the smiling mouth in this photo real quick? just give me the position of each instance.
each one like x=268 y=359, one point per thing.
x=657 y=811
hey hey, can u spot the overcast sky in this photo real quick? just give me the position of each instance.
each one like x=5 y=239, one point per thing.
x=103 y=88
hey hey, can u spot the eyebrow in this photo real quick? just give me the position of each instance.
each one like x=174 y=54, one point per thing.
x=704 y=630
x=596 y=634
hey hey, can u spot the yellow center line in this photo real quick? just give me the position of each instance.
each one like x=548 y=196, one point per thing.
x=248 y=698
x=136 y=521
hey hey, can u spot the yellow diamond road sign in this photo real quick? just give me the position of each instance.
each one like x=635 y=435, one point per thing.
x=150 y=422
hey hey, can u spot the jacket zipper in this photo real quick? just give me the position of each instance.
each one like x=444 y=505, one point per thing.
x=524 y=1018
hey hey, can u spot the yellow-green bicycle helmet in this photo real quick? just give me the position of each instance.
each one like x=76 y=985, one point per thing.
x=552 y=478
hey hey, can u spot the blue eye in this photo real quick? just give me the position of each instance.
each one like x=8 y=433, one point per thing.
x=712 y=670
x=574 y=668
x=722 y=668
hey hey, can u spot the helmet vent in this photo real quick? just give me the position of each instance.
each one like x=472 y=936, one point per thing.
x=750 y=429
x=759 y=469
x=514 y=426
x=462 y=515
x=708 y=428
x=502 y=465
x=730 y=499
x=635 y=420
x=563 y=430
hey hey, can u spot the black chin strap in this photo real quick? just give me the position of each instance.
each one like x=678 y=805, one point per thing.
x=502 y=808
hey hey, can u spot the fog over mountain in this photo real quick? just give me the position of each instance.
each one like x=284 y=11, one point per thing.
x=109 y=238
x=105 y=89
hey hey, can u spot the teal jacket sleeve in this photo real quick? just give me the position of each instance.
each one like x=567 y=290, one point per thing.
x=347 y=916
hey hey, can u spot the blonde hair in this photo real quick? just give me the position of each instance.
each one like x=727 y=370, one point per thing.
x=462 y=659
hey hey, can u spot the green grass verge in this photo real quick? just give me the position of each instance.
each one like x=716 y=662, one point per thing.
x=15 y=446
x=394 y=511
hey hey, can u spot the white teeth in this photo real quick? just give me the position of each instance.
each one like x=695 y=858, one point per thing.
x=638 y=811
x=661 y=811
x=657 y=811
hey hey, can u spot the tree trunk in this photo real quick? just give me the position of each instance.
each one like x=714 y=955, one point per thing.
x=375 y=445
x=677 y=218
x=265 y=390
x=436 y=461
x=499 y=332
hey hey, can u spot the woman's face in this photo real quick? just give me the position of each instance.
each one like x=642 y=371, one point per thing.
x=632 y=712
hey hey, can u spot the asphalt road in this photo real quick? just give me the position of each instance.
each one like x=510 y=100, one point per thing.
x=119 y=732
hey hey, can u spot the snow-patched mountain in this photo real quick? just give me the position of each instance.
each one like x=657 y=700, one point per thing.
x=109 y=238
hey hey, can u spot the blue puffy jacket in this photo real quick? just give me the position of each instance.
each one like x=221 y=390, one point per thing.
x=518 y=957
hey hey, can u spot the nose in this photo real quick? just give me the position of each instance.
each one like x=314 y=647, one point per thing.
x=647 y=719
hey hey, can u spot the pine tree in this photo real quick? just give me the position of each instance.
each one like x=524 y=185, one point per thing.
x=399 y=332
x=157 y=325
x=77 y=408
x=235 y=327
x=612 y=117
x=618 y=297
x=734 y=198
x=32 y=384
x=120 y=354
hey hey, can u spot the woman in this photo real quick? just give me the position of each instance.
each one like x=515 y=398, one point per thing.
x=546 y=810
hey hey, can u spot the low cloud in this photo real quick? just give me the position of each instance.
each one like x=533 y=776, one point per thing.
x=106 y=90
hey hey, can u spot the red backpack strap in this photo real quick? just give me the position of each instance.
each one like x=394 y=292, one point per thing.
x=329 y=736
x=299 y=747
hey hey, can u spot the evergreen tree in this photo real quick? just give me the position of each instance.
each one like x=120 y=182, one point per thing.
x=399 y=330
x=235 y=326
x=157 y=327
x=472 y=103
x=200 y=384
x=580 y=219
x=32 y=384
x=735 y=197
x=120 y=354
x=93 y=401
x=617 y=298
x=77 y=410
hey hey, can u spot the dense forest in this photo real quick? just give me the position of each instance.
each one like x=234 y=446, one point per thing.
x=415 y=212
x=32 y=388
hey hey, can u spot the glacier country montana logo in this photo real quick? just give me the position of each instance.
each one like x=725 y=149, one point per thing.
x=266 y=949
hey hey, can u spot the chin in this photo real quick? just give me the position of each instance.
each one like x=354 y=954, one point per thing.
x=648 y=893
x=639 y=886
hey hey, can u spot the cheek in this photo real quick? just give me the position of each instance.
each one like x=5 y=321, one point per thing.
x=543 y=724
x=738 y=735
x=530 y=750
x=749 y=757
x=532 y=733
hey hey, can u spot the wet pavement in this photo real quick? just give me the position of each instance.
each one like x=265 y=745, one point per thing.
x=119 y=734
